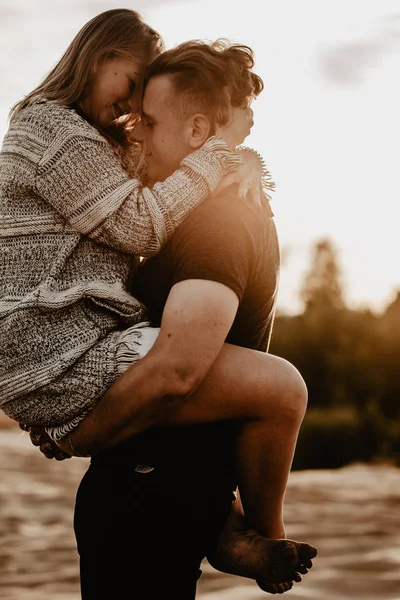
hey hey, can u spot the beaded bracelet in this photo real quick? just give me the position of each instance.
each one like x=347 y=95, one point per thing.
x=74 y=450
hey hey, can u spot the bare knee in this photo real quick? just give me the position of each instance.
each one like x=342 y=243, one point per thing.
x=295 y=397
x=289 y=395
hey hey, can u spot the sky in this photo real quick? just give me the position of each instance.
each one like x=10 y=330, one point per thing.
x=327 y=123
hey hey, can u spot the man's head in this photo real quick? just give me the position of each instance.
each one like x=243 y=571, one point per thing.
x=189 y=91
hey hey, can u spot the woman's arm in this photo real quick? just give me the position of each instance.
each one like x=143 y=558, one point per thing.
x=79 y=174
x=82 y=179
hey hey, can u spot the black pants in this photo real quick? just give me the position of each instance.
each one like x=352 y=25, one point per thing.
x=143 y=535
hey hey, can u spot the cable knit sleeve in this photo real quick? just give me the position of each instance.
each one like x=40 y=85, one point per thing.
x=80 y=176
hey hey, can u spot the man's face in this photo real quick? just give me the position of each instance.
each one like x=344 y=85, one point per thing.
x=165 y=130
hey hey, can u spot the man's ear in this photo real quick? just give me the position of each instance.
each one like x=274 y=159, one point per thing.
x=199 y=131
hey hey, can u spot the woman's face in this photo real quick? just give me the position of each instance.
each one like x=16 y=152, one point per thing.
x=112 y=91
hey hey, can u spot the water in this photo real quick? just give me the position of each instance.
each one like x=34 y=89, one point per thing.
x=350 y=514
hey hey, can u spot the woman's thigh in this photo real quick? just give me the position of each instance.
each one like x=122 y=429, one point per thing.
x=244 y=384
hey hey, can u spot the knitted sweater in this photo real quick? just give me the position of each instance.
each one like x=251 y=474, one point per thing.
x=71 y=221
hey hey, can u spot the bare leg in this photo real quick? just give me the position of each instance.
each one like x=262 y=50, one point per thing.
x=264 y=392
x=270 y=396
x=274 y=564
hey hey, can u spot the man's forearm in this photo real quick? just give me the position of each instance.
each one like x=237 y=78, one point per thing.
x=142 y=397
x=196 y=320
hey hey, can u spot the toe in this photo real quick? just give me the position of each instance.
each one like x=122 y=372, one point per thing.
x=288 y=585
x=285 y=560
x=275 y=588
x=303 y=570
x=306 y=550
x=267 y=586
x=297 y=577
x=285 y=587
x=307 y=563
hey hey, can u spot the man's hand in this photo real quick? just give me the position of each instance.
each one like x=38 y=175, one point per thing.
x=40 y=439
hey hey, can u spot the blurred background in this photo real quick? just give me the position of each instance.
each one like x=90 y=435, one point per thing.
x=328 y=128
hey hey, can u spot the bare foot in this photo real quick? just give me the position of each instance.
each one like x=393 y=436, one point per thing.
x=274 y=564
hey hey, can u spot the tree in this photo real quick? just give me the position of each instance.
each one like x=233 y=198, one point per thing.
x=350 y=362
x=391 y=316
x=388 y=355
x=322 y=287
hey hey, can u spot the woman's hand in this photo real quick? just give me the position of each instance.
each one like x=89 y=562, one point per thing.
x=248 y=178
x=252 y=177
x=41 y=439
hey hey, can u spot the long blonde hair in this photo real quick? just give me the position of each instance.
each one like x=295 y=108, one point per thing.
x=118 y=32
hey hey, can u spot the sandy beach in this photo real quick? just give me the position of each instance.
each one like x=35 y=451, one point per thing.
x=350 y=514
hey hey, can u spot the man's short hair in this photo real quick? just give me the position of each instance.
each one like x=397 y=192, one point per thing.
x=209 y=76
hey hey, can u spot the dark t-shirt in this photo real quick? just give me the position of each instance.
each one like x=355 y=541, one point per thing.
x=225 y=240
x=234 y=243
x=229 y=241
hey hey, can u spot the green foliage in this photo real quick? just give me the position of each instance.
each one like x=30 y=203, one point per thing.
x=332 y=438
x=350 y=362
x=322 y=287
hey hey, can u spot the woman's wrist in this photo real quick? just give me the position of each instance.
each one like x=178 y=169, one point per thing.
x=213 y=161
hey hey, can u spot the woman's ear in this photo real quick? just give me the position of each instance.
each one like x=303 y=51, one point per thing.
x=199 y=131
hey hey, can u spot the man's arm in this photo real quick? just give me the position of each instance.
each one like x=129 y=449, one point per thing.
x=196 y=320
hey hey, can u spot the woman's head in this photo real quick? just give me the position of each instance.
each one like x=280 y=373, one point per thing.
x=101 y=67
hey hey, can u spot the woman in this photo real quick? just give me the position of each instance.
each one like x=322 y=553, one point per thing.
x=66 y=195
x=74 y=220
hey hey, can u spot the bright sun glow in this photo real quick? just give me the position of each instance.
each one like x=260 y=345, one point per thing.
x=327 y=123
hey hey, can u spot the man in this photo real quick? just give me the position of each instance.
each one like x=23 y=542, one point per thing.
x=156 y=505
